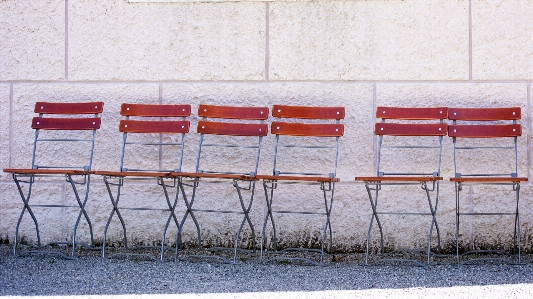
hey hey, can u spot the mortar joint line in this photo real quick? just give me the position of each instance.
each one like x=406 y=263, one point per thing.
x=10 y=125
x=470 y=42
x=528 y=130
x=66 y=40
x=267 y=40
x=355 y=81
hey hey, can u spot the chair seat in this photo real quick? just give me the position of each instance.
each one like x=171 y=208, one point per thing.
x=213 y=175
x=488 y=179
x=133 y=173
x=47 y=171
x=399 y=178
x=297 y=178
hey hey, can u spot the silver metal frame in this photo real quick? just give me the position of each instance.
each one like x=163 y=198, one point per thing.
x=373 y=187
x=327 y=188
x=194 y=183
x=118 y=183
x=25 y=178
x=459 y=188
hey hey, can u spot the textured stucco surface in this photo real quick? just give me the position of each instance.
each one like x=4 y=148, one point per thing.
x=32 y=40
x=502 y=39
x=5 y=90
x=356 y=54
x=369 y=40
x=195 y=41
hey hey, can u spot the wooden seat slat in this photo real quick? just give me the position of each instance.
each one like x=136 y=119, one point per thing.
x=485 y=114
x=408 y=113
x=485 y=131
x=69 y=108
x=227 y=112
x=489 y=179
x=57 y=123
x=394 y=129
x=232 y=129
x=133 y=173
x=299 y=129
x=155 y=110
x=142 y=126
x=46 y=171
x=297 y=178
x=213 y=175
x=308 y=112
x=399 y=178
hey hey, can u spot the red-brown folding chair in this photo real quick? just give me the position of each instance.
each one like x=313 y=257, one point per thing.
x=239 y=130
x=158 y=125
x=409 y=133
x=500 y=126
x=74 y=130
x=319 y=131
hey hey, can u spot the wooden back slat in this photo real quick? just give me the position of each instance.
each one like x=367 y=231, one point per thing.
x=228 y=112
x=298 y=129
x=69 y=108
x=393 y=129
x=57 y=123
x=232 y=129
x=307 y=112
x=412 y=113
x=485 y=131
x=156 y=110
x=485 y=114
x=141 y=126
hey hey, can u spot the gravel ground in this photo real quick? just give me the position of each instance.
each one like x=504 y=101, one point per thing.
x=47 y=275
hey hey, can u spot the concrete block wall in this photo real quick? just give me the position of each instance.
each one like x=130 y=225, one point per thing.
x=357 y=54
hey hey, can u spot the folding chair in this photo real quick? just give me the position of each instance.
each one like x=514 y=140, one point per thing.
x=239 y=131
x=323 y=125
x=410 y=138
x=65 y=130
x=470 y=127
x=152 y=122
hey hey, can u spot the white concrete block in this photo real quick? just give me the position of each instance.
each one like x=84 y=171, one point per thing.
x=369 y=40
x=197 y=41
x=33 y=40
x=501 y=40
